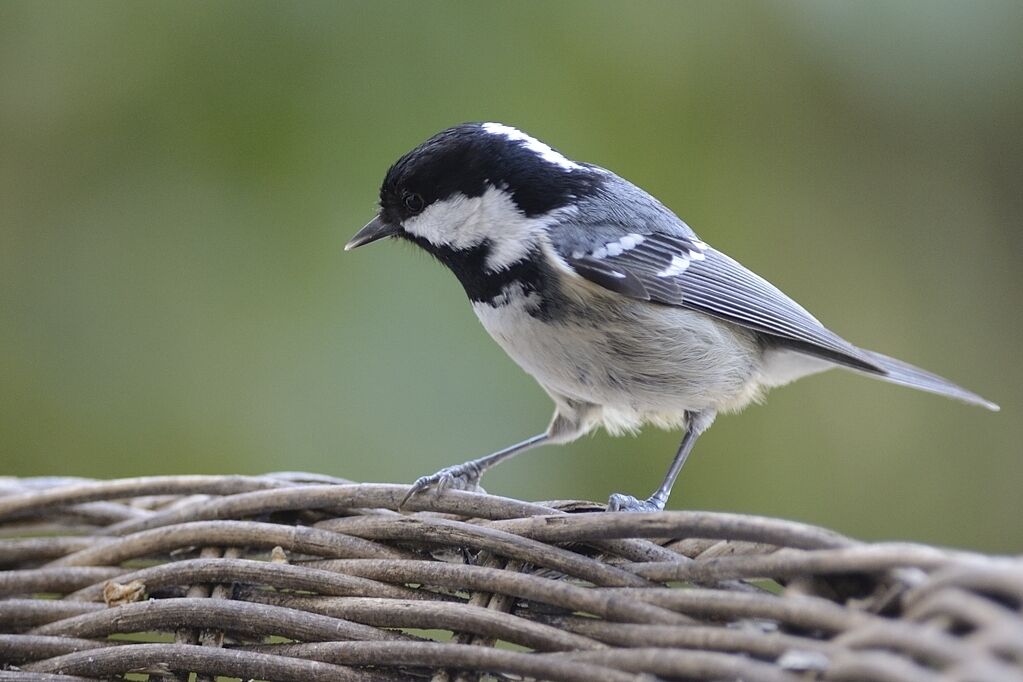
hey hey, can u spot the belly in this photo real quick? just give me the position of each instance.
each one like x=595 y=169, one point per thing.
x=640 y=362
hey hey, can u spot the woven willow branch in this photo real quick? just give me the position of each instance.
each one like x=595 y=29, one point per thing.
x=305 y=577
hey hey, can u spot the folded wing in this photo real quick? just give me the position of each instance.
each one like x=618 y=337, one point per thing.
x=679 y=270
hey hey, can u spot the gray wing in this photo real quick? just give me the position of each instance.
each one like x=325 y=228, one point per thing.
x=678 y=269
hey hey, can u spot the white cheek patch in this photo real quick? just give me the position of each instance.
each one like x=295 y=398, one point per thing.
x=532 y=144
x=463 y=222
x=447 y=222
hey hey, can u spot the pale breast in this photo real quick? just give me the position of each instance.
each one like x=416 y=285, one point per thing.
x=640 y=361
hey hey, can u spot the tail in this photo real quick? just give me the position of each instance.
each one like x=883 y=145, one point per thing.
x=905 y=374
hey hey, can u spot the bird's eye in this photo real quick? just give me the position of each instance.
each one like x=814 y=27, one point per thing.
x=413 y=202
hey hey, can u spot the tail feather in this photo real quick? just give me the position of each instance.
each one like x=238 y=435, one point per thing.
x=905 y=374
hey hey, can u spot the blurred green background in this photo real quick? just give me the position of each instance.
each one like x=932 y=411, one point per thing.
x=177 y=181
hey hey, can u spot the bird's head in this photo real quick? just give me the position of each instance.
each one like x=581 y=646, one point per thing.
x=484 y=189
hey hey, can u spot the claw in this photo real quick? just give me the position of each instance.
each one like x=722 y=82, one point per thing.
x=459 y=477
x=420 y=484
x=627 y=503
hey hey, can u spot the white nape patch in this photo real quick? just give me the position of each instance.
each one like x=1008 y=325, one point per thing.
x=462 y=222
x=531 y=143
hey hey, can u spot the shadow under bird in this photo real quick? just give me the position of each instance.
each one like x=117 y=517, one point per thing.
x=602 y=294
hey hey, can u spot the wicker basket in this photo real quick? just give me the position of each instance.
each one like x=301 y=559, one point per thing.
x=302 y=577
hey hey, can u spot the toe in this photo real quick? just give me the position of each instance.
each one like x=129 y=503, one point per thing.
x=627 y=503
x=461 y=477
x=421 y=484
x=620 y=502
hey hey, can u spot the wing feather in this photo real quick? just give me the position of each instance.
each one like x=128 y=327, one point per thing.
x=680 y=270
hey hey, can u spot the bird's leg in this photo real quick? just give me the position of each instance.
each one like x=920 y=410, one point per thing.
x=696 y=423
x=466 y=476
x=571 y=420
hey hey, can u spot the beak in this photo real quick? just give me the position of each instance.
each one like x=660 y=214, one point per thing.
x=374 y=230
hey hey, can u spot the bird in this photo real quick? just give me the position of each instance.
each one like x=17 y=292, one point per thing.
x=609 y=300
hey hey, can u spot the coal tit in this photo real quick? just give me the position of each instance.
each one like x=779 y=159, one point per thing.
x=602 y=294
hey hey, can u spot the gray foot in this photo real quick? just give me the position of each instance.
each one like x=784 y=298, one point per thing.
x=628 y=503
x=458 y=477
